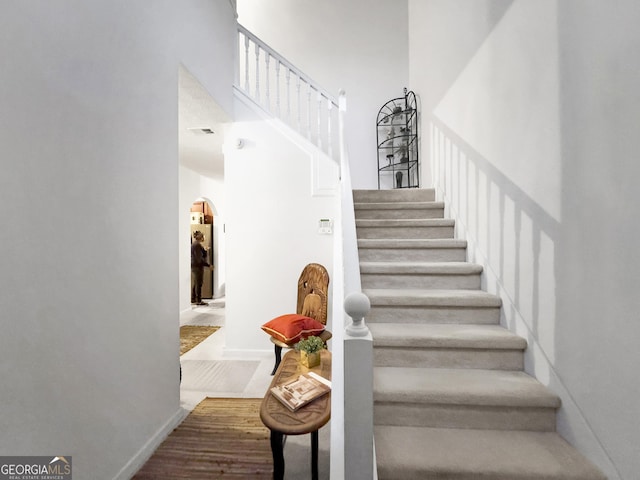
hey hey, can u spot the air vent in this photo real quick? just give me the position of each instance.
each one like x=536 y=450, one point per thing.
x=202 y=131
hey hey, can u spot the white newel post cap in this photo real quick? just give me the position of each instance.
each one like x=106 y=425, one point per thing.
x=357 y=306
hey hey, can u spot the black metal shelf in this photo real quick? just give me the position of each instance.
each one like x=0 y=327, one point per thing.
x=389 y=143
x=399 y=165
x=397 y=141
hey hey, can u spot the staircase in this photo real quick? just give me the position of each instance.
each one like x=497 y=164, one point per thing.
x=451 y=399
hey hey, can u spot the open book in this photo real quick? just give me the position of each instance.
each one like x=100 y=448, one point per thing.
x=300 y=391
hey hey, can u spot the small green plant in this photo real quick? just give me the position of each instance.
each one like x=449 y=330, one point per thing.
x=310 y=344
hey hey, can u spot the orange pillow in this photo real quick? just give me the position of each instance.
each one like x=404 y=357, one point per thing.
x=292 y=327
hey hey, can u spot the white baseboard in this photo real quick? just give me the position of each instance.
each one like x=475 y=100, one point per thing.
x=140 y=458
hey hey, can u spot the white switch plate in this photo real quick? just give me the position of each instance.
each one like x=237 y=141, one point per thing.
x=325 y=226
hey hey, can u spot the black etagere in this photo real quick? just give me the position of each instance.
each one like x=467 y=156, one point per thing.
x=397 y=137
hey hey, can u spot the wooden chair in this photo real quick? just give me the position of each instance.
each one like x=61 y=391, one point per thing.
x=313 y=290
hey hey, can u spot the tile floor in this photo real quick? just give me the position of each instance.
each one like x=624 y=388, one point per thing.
x=207 y=373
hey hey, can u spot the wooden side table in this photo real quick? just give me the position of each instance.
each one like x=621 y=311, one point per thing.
x=308 y=419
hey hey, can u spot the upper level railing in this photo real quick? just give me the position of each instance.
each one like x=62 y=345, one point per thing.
x=287 y=93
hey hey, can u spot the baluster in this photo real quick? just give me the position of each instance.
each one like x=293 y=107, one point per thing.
x=319 y=115
x=267 y=75
x=322 y=133
x=298 y=104
x=288 y=95
x=329 y=139
x=246 y=63
x=308 y=111
x=278 y=88
x=257 y=73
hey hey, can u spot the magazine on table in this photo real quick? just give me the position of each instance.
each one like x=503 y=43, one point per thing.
x=302 y=390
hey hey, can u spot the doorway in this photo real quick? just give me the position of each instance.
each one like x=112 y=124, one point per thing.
x=202 y=220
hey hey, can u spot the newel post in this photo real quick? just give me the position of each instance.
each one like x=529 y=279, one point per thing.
x=358 y=391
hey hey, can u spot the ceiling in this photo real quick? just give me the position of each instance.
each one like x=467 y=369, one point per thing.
x=199 y=114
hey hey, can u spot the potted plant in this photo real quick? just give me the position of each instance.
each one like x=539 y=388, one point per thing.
x=309 y=349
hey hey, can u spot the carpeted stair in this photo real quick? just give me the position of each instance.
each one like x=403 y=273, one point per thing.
x=451 y=399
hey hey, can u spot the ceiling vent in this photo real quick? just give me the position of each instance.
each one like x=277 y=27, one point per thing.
x=202 y=131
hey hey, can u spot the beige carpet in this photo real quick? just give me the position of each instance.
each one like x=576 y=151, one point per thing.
x=192 y=335
x=221 y=438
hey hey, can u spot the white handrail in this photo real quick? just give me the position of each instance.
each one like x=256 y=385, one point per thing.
x=352 y=452
x=350 y=241
x=315 y=120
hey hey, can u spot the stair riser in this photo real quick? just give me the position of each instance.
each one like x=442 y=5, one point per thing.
x=407 y=473
x=535 y=419
x=399 y=214
x=404 y=232
x=448 y=358
x=435 y=281
x=409 y=453
x=413 y=254
x=405 y=195
x=458 y=315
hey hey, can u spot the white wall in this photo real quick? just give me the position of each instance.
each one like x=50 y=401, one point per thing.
x=360 y=46
x=529 y=117
x=88 y=207
x=598 y=283
x=195 y=186
x=277 y=191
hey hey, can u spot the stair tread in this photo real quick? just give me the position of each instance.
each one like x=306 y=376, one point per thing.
x=445 y=336
x=399 y=195
x=418 y=453
x=411 y=243
x=405 y=222
x=431 y=297
x=461 y=386
x=446 y=268
x=397 y=205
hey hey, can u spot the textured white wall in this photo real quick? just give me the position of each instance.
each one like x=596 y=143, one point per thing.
x=530 y=110
x=360 y=46
x=89 y=208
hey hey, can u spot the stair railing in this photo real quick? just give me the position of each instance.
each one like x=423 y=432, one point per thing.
x=287 y=93
x=352 y=450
